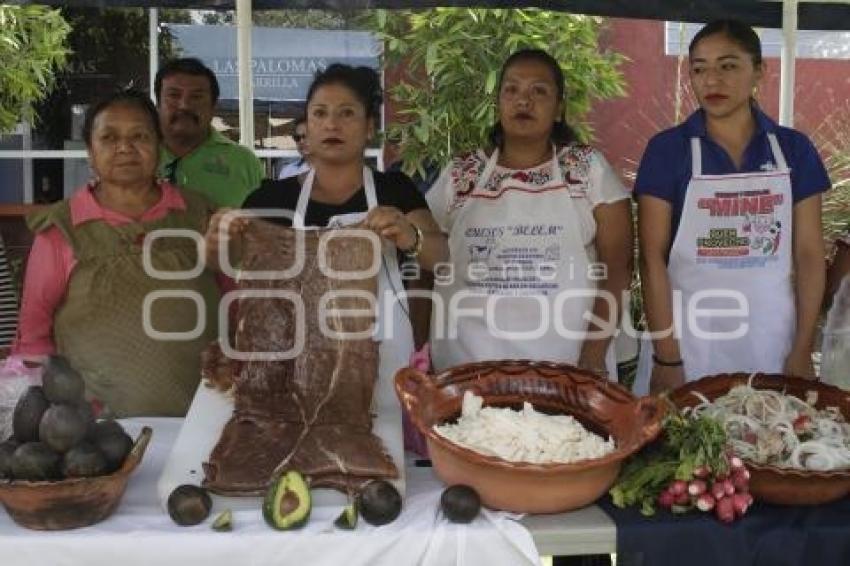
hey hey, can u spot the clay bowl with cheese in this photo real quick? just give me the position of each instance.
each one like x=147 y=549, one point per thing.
x=601 y=406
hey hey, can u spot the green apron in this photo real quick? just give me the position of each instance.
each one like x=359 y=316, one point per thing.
x=99 y=326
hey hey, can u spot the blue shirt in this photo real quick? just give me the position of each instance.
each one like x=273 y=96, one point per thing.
x=665 y=168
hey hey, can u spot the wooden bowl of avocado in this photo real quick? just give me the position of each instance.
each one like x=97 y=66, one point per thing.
x=74 y=502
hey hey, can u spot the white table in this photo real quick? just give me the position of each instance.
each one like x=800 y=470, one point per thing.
x=140 y=531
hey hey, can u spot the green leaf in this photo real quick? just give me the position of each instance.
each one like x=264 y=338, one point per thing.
x=490 y=85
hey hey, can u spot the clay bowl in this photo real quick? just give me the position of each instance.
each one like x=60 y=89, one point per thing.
x=601 y=406
x=771 y=484
x=70 y=503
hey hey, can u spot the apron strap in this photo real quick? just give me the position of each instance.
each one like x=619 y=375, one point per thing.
x=778 y=156
x=303 y=199
x=369 y=188
x=696 y=157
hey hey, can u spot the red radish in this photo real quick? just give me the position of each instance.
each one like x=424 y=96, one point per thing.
x=702 y=472
x=697 y=487
x=682 y=499
x=718 y=490
x=736 y=463
x=802 y=423
x=678 y=487
x=741 y=502
x=705 y=502
x=725 y=510
x=741 y=481
x=728 y=487
x=665 y=499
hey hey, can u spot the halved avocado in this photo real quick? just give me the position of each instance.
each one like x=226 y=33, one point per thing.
x=224 y=521
x=348 y=518
x=287 y=503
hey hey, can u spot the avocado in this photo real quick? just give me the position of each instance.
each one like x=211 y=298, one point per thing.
x=7 y=449
x=114 y=443
x=87 y=414
x=379 y=503
x=108 y=427
x=460 y=503
x=224 y=522
x=28 y=413
x=35 y=461
x=62 y=427
x=287 y=503
x=83 y=461
x=61 y=382
x=189 y=505
x=348 y=518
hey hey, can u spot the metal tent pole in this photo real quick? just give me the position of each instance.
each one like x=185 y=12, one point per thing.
x=787 y=62
x=246 y=82
x=153 y=50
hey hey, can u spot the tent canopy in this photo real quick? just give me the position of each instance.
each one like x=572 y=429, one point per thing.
x=824 y=15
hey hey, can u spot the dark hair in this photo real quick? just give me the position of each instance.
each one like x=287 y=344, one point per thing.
x=562 y=133
x=186 y=66
x=362 y=81
x=128 y=97
x=301 y=119
x=739 y=32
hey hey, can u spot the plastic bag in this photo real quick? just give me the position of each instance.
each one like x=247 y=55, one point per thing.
x=835 y=351
x=15 y=378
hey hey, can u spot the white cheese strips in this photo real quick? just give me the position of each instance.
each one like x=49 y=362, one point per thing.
x=523 y=436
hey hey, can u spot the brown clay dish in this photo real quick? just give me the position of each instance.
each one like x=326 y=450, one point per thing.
x=70 y=503
x=771 y=484
x=602 y=406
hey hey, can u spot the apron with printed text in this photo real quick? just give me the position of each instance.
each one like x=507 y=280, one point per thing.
x=520 y=287
x=730 y=273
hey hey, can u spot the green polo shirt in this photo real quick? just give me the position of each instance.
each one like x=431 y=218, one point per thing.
x=220 y=169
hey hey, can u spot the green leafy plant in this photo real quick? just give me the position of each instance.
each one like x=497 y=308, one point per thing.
x=32 y=50
x=448 y=62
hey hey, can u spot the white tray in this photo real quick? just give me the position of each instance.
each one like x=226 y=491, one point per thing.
x=211 y=410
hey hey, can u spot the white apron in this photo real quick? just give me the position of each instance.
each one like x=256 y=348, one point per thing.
x=395 y=348
x=518 y=256
x=734 y=235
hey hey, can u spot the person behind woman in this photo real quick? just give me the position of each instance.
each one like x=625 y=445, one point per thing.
x=729 y=202
x=87 y=287
x=342 y=107
x=534 y=226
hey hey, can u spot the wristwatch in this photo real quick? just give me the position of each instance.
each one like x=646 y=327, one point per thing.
x=414 y=250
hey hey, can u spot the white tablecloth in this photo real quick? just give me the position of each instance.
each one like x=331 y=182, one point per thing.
x=140 y=532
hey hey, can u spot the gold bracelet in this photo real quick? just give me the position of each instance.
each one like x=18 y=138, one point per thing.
x=414 y=250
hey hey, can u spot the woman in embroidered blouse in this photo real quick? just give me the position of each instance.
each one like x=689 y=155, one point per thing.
x=536 y=227
x=87 y=286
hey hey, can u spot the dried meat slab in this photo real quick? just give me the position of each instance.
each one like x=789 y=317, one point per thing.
x=313 y=412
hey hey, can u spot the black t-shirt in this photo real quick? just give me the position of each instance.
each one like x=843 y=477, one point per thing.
x=392 y=189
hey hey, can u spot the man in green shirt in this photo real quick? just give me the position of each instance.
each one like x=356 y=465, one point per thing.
x=194 y=155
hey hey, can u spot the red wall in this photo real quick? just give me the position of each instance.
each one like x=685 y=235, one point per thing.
x=623 y=126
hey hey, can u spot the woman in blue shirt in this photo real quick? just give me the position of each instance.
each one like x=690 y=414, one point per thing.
x=732 y=259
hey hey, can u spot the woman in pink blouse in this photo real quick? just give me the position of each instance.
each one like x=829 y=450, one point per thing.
x=110 y=284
